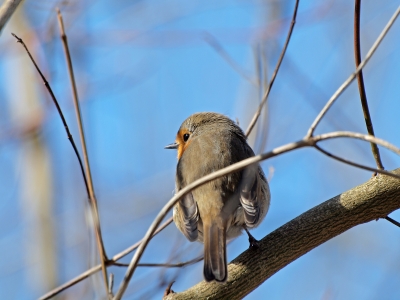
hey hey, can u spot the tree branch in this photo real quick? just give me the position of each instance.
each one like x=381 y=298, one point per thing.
x=278 y=64
x=97 y=268
x=92 y=197
x=308 y=142
x=370 y=201
x=361 y=86
x=349 y=80
x=354 y=164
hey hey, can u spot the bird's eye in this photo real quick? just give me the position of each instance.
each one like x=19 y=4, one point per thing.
x=186 y=137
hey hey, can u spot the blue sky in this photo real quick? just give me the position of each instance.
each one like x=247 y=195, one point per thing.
x=142 y=67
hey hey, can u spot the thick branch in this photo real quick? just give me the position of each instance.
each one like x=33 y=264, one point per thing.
x=367 y=202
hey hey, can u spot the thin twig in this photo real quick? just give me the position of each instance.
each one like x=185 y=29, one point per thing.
x=69 y=135
x=177 y=265
x=92 y=197
x=354 y=164
x=271 y=82
x=97 y=268
x=354 y=135
x=360 y=80
x=307 y=142
x=46 y=84
x=353 y=75
x=392 y=221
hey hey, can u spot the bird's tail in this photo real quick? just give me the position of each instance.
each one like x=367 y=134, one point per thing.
x=214 y=252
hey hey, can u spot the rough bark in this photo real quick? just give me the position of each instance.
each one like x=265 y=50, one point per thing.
x=374 y=199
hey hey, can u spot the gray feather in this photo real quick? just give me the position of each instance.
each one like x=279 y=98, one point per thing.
x=190 y=217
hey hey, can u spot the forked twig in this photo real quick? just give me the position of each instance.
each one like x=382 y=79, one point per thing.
x=271 y=82
x=306 y=142
x=177 y=265
x=92 y=197
x=71 y=139
x=46 y=84
x=353 y=75
x=354 y=135
x=276 y=151
x=354 y=164
x=97 y=268
x=361 y=87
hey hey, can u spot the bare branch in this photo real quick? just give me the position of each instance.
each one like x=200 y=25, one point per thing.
x=232 y=168
x=235 y=167
x=92 y=197
x=355 y=135
x=353 y=75
x=360 y=80
x=351 y=163
x=367 y=202
x=392 y=221
x=309 y=141
x=264 y=100
x=53 y=97
x=97 y=268
x=177 y=265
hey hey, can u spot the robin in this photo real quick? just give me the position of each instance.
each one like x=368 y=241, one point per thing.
x=218 y=210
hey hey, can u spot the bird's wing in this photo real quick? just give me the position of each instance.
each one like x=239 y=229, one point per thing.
x=190 y=217
x=249 y=193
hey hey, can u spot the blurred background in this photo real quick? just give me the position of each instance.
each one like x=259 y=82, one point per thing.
x=142 y=67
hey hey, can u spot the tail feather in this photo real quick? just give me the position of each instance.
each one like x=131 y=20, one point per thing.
x=215 y=253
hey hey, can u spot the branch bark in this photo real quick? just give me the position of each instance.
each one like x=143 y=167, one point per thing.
x=370 y=201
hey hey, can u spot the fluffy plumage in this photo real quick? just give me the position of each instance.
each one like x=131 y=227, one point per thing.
x=218 y=210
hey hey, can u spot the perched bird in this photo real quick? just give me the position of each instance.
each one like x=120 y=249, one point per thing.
x=218 y=210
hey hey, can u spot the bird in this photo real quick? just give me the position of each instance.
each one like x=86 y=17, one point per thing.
x=222 y=208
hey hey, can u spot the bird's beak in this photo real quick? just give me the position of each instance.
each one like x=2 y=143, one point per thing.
x=172 y=146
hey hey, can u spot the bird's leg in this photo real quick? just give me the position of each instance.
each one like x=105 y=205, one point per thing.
x=254 y=244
